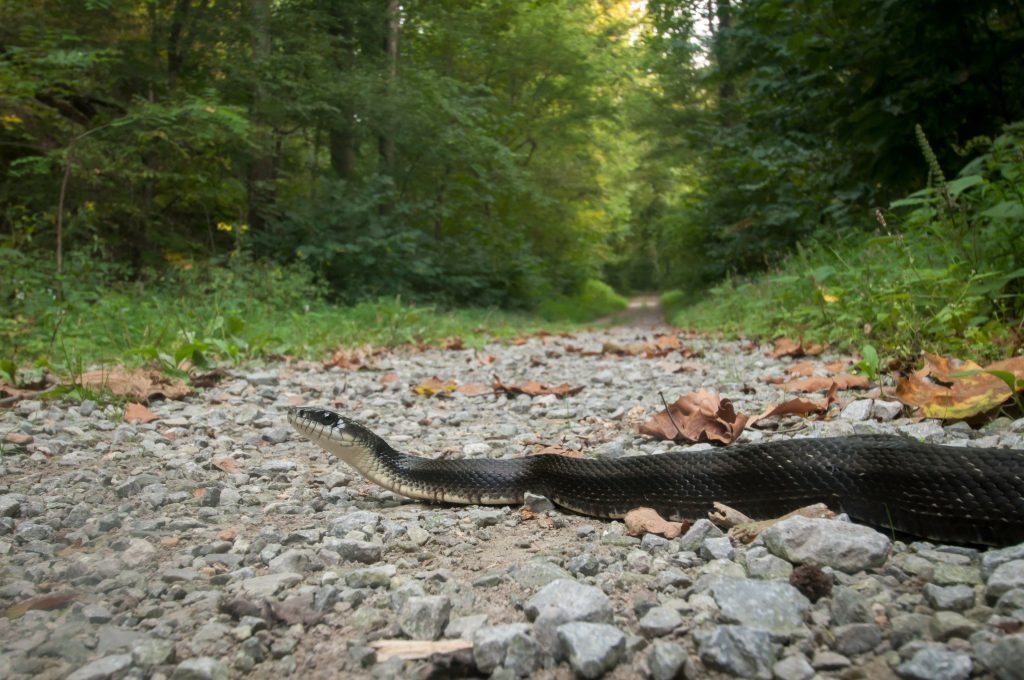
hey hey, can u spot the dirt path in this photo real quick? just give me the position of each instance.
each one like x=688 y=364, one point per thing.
x=644 y=311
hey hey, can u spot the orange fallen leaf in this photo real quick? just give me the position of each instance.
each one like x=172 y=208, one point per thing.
x=137 y=413
x=388 y=378
x=453 y=343
x=226 y=535
x=640 y=521
x=939 y=394
x=697 y=417
x=170 y=541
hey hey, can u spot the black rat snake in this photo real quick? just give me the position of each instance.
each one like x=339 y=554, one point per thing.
x=944 y=493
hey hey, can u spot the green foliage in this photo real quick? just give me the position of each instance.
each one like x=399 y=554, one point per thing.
x=594 y=300
x=672 y=302
x=481 y=164
x=945 y=272
x=797 y=119
x=201 y=315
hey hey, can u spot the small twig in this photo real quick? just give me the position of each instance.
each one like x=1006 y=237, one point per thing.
x=669 y=414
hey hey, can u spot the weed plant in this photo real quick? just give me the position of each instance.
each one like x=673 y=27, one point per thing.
x=943 y=270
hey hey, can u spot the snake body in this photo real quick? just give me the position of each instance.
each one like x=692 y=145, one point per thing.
x=943 y=493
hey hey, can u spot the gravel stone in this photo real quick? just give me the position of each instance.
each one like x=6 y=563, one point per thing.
x=741 y=651
x=1005 y=577
x=957 y=598
x=947 y=625
x=591 y=648
x=793 y=668
x=660 y=621
x=359 y=551
x=701 y=530
x=936 y=664
x=665 y=660
x=424 y=617
x=102 y=668
x=717 y=548
x=1004 y=660
x=848 y=606
x=772 y=606
x=827 y=543
x=491 y=644
x=200 y=668
x=856 y=638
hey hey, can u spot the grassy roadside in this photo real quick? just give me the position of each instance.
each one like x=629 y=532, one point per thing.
x=942 y=271
x=233 y=313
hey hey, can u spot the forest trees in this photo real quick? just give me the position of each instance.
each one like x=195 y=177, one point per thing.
x=774 y=121
x=463 y=149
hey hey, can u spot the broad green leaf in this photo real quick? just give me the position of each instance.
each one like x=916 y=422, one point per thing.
x=957 y=186
x=1007 y=210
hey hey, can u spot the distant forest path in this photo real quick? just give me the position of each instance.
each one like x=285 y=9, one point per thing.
x=644 y=311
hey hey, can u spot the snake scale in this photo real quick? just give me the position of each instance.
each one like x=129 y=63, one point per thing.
x=942 y=493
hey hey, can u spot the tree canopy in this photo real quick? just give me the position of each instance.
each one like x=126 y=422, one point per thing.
x=480 y=151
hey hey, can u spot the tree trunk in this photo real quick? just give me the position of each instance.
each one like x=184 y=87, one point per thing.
x=386 y=141
x=262 y=168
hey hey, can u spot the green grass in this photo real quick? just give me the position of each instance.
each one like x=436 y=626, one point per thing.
x=595 y=299
x=942 y=271
x=228 y=314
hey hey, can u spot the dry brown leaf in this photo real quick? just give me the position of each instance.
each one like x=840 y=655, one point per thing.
x=784 y=347
x=453 y=343
x=799 y=407
x=532 y=388
x=474 y=389
x=816 y=383
x=697 y=417
x=434 y=385
x=137 y=413
x=804 y=368
x=486 y=359
x=388 y=378
x=938 y=394
x=667 y=342
x=45 y=602
x=354 y=357
x=139 y=383
x=640 y=521
x=837 y=366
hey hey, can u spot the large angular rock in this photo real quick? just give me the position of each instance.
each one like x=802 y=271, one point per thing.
x=827 y=543
x=741 y=651
x=591 y=648
x=772 y=606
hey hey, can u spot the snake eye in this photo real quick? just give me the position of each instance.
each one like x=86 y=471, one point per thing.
x=321 y=416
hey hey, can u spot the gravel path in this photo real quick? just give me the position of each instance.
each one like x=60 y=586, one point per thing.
x=214 y=543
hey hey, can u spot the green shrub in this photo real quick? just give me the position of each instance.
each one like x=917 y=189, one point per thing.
x=672 y=302
x=944 y=270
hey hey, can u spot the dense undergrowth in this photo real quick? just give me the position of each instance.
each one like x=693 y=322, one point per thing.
x=228 y=312
x=943 y=270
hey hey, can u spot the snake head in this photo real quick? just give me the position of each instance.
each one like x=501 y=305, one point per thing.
x=310 y=415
